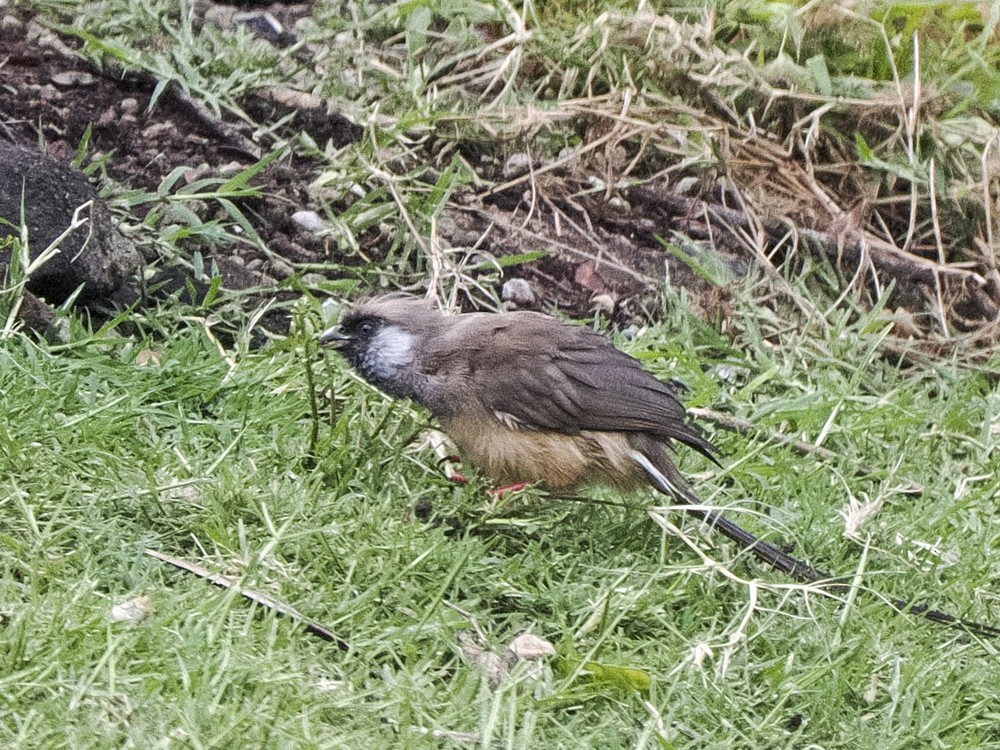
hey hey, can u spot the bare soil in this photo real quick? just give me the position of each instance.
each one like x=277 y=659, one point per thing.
x=56 y=97
x=605 y=247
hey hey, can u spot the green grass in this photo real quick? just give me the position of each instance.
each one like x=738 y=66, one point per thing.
x=149 y=436
x=104 y=457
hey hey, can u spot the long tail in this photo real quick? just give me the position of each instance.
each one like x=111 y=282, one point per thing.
x=667 y=479
x=676 y=487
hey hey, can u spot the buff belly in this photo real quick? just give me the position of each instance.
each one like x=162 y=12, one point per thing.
x=559 y=462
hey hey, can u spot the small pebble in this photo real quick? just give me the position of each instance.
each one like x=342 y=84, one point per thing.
x=73 y=78
x=516 y=165
x=603 y=303
x=518 y=291
x=310 y=221
x=619 y=204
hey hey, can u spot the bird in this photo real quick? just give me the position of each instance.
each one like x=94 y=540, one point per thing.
x=528 y=398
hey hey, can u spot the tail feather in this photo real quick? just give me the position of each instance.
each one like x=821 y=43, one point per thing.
x=671 y=483
x=664 y=475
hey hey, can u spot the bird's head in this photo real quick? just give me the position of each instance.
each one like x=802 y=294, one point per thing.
x=383 y=337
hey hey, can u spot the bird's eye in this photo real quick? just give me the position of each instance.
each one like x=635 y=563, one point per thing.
x=365 y=328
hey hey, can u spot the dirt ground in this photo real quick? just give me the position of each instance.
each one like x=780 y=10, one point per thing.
x=58 y=96
x=604 y=248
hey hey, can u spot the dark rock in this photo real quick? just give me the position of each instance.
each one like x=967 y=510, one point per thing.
x=95 y=256
x=36 y=316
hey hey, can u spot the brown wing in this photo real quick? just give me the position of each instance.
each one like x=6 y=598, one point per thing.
x=552 y=376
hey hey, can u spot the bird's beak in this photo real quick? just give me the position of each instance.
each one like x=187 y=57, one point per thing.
x=334 y=337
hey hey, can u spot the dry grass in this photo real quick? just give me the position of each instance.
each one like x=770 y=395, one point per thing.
x=784 y=167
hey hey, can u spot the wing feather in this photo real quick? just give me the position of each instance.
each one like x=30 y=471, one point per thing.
x=552 y=376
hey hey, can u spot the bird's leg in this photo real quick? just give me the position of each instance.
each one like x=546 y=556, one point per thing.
x=499 y=492
x=447 y=459
x=449 y=471
x=442 y=447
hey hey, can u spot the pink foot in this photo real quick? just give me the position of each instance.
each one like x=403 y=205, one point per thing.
x=449 y=472
x=499 y=492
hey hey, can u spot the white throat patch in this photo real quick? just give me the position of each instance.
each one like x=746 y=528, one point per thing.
x=390 y=350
